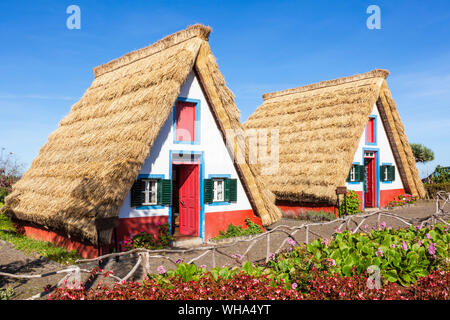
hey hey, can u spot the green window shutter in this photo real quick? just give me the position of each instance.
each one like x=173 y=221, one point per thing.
x=233 y=189
x=208 y=191
x=361 y=172
x=164 y=192
x=137 y=196
x=349 y=174
x=382 y=173
x=230 y=190
x=391 y=173
x=226 y=196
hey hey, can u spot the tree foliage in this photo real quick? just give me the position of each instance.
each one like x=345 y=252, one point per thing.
x=422 y=153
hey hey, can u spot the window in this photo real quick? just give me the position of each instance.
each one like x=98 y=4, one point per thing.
x=186 y=121
x=150 y=191
x=387 y=173
x=371 y=131
x=218 y=190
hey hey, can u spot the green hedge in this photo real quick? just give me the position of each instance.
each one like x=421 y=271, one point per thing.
x=433 y=188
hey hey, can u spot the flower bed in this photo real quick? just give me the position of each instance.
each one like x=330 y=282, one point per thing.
x=402 y=200
x=411 y=263
x=241 y=286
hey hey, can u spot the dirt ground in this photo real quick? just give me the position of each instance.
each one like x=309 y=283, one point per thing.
x=17 y=262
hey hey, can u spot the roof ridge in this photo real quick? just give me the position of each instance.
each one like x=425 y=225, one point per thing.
x=196 y=30
x=376 y=73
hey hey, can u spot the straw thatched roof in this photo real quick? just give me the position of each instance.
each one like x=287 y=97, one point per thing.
x=320 y=126
x=86 y=169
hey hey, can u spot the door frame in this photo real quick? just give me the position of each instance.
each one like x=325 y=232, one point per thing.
x=377 y=175
x=201 y=174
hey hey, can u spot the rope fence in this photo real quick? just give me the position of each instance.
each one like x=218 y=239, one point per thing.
x=72 y=275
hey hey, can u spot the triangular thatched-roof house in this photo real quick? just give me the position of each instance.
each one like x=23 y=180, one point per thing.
x=329 y=133
x=119 y=129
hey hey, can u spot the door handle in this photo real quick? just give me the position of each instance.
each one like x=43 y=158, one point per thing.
x=182 y=203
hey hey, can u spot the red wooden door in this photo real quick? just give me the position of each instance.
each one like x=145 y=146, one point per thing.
x=370 y=196
x=185 y=121
x=188 y=199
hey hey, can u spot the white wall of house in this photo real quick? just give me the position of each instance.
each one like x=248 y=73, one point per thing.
x=216 y=157
x=385 y=155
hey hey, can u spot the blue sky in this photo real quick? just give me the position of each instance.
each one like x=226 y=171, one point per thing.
x=261 y=46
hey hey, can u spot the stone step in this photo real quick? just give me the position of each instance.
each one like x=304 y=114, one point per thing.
x=187 y=242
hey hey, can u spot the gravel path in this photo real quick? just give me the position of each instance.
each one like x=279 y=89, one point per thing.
x=17 y=262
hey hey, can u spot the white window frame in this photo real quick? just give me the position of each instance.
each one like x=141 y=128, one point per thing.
x=149 y=183
x=385 y=173
x=352 y=174
x=216 y=197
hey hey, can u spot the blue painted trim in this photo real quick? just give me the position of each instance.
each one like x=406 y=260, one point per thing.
x=221 y=203
x=170 y=207
x=197 y=121
x=354 y=182
x=212 y=176
x=375 y=130
x=201 y=169
x=150 y=176
x=150 y=207
x=377 y=166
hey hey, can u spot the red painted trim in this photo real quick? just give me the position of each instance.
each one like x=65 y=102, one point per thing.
x=84 y=250
x=388 y=195
x=360 y=195
x=219 y=221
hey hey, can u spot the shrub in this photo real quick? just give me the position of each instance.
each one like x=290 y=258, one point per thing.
x=303 y=214
x=318 y=216
x=148 y=240
x=238 y=231
x=3 y=193
x=352 y=202
x=433 y=188
x=442 y=175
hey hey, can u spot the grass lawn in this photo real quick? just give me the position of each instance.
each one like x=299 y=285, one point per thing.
x=47 y=249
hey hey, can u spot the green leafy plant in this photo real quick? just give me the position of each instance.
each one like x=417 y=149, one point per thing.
x=442 y=175
x=6 y=293
x=401 y=255
x=433 y=188
x=238 y=231
x=321 y=215
x=148 y=240
x=3 y=193
x=351 y=202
